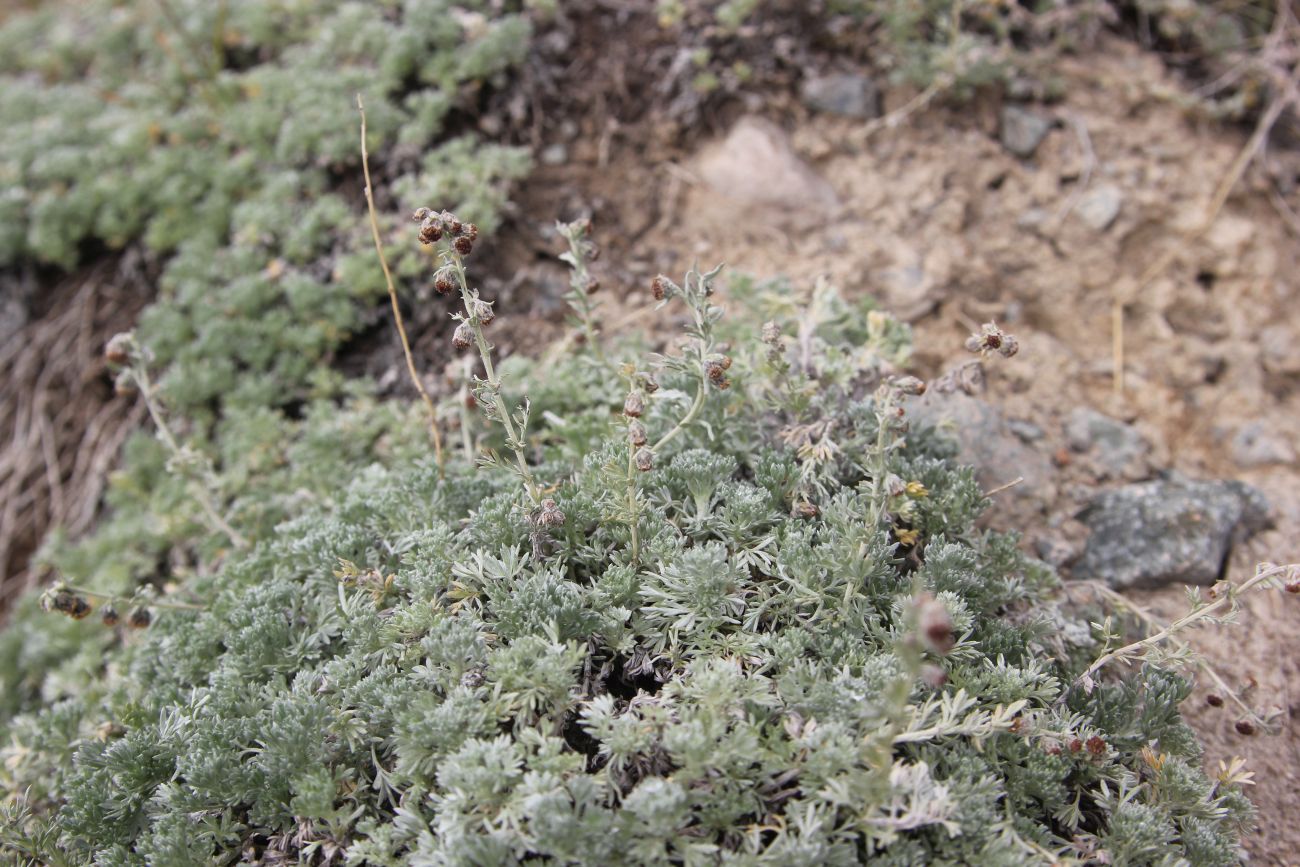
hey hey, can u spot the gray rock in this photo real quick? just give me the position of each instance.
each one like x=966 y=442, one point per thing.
x=1257 y=444
x=1120 y=451
x=1173 y=530
x=845 y=94
x=989 y=443
x=1022 y=131
x=555 y=155
x=1026 y=430
x=1099 y=207
x=757 y=165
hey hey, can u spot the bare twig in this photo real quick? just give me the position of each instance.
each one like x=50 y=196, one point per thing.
x=392 y=297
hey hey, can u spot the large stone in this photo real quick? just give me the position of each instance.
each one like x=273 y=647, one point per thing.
x=992 y=445
x=1173 y=530
x=756 y=165
x=1022 y=131
x=1118 y=449
x=847 y=94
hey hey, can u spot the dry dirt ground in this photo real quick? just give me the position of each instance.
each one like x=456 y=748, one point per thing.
x=936 y=218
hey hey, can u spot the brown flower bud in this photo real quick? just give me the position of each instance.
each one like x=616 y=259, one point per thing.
x=1214 y=700
x=430 y=233
x=550 y=514
x=463 y=245
x=108 y=615
x=715 y=371
x=118 y=348
x=634 y=405
x=935 y=623
x=124 y=385
x=482 y=311
x=804 y=509
x=420 y=214
x=1245 y=727
x=592 y=286
x=444 y=280
x=647 y=382
x=139 y=618
x=644 y=459
x=1096 y=746
x=636 y=433
x=1075 y=745
x=909 y=385
x=934 y=676
x=1010 y=346
x=469 y=230
x=463 y=336
x=659 y=287
x=1293 y=587
x=453 y=225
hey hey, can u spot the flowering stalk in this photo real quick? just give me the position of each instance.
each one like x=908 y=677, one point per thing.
x=123 y=350
x=1226 y=593
x=581 y=283
x=701 y=357
x=477 y=314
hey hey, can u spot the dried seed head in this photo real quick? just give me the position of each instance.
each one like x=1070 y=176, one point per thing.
x=592 y=286
x=550 y=515
x=139 y=618
x=644 y=459
x=991 y=338
x=806 y=510
x=420 y=214
x=659 y=287
x=118 y=348
x=636 y=433
x=430 y=232
x=108 y=615
x=463 y=336
x=1293 y=586
x=1245 y=727
x=909 y=385
x=1096 y=746
x=463 y=245
x=469 y=230
x=647 y=382
x=482 y=311
x=634 y=405
x=124 y=385
x=715 y=371
x=453 y=225
x=1214 y=700
x=935 y=623
x=444 y=280
x=771 y=333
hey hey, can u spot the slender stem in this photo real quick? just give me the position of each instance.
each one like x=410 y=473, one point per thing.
x=152 y=603
x=1121 y=601
x=202 y=493
x=632 y=503
x=1183 y=622
x=392 y=297
x=882 y=441
x=581 y=301
x=700 y=391
x=513 y=437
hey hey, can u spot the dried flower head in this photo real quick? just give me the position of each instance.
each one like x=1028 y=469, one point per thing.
x=991 y=338
x=1245 y=727
x=644 y=459
x=647 y=383
x=771 y=333
x=463 y=336
x=1214 y=700
x=483 y=311
x=804 y=509
x=934 y=623
x=550 y=514
x=909 y=385
x=634 y=405
x=108 y=615
x=660 y=287
x=464 y=246
x=139 y=618
x=636 y=433
x=444 y=280
x=1096 y=746
x=118 y=348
